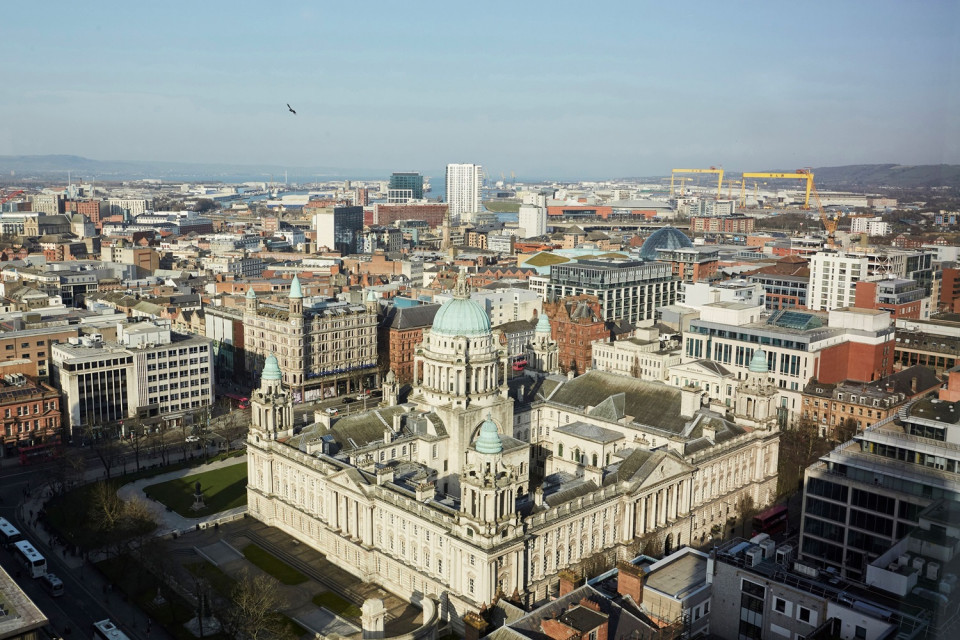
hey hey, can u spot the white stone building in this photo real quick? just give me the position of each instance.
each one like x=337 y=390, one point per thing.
x=464 y=182
x=465 y=492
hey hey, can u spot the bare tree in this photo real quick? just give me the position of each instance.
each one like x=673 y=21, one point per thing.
x=108 y=449
x=253 y=612
x=746 y=508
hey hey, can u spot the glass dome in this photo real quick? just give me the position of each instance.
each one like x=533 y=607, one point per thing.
x=665 y=238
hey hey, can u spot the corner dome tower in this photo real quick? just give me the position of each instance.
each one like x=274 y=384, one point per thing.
x=488 y=440
x=665 y=238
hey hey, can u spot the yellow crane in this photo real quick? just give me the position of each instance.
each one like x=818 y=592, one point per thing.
x=715 y=170
x=799 y=174
x=683 y=182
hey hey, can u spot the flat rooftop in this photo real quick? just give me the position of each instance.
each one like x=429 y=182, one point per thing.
x=680 y=576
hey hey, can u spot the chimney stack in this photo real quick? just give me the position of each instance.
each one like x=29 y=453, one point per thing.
x=568 y=581
x=630 y=581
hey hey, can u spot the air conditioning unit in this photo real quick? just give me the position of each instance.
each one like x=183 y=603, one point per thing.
x=753 y=556
x=785 y=554
x=769 y=547
x=918 y=563
x=933 y=570
x=903 y=560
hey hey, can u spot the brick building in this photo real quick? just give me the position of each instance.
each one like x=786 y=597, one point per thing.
x=432 y=213
x=34 y=345
x=30 y=410
x=831 y=405
x=785 y=282
x=576 y=322
x=399 y=333
x=722 y=224
x=900 y=297
x=950 y=290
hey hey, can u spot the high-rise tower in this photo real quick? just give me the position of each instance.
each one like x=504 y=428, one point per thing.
x=463 y=190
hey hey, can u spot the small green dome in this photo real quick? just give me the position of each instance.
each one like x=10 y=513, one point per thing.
x=758 y=364
x=271 y=369
x=543 y=324
x=250 y=294
x=461 y=317
x=489 y=439
x=371 y=296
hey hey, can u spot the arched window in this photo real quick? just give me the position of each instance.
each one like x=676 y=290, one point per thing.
x=560 y=449
x=594 y=460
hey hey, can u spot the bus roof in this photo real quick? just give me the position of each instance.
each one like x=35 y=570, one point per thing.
x=772 y=511
x=7 y=528
x=27 y=549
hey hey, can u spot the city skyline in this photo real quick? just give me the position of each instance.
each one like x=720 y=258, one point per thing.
x=534 y=90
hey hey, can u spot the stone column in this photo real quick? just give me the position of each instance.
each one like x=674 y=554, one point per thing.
x=372 y=617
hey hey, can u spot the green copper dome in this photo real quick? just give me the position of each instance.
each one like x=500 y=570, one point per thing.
x=461 y=317
x=758 y=364
x=250 y=294
x=543 y=324
x=295 y=290
x=271 y=369
x=489 y=439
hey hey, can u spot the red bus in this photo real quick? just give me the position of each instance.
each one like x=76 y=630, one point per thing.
x=40 y=453
x=771 y=521
x=240 y=402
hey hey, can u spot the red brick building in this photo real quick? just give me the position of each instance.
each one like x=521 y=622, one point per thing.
x=576 y=322
x=30 y=411
x=722 y=224
x=399 y=333
x=901 y=298
x=950 y=290
x=431 y=212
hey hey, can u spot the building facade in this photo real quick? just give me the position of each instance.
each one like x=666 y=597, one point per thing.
x=404 y=187
x=466 y=491
x=338 y=228
x=627 y=290
x=464 y=182
x=325 y=349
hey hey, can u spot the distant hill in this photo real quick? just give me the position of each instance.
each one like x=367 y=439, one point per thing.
x=13 y=167
x=897 y=176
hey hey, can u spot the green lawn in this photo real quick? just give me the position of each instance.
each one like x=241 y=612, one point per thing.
x=289 y=629
x=221 y=582
x=223 y=488
x=332 y=602
x=273 y=565
x=502 y=206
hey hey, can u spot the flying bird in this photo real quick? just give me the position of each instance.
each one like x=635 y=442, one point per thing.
x=291 y=109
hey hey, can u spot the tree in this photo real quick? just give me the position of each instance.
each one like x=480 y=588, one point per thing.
x=746 y=509
x=253 y=608
x=205 y=204
x=800 y=446
x=106 y=446
x=846 y=430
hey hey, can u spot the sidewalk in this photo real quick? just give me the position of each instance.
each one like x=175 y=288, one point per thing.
x=131 y=619
x=171 y=521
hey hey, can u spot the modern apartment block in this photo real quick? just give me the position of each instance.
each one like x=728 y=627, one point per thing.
x=900 y=297
x=834 y=275
x=404 y=187
x=865 y=495
x=464 y=182
x=532 y=221
x=627 y=290
x=338 y=228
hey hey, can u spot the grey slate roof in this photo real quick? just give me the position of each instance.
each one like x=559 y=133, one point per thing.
x=650 y=403
x=419 y=316
x=590 y=432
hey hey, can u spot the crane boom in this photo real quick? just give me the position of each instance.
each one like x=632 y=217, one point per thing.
x=799 y=174
x=7 y=198
x=715 y=170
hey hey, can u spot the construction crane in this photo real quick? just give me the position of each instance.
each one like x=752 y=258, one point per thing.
x=799 y=174
x=10 y=196
x=683 y=182
x=715 y=170
x=830 y=224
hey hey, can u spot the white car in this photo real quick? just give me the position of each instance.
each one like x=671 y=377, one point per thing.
x=332 y=411
x=193 y=438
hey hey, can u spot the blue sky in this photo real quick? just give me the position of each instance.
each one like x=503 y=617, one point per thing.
x=552 y=89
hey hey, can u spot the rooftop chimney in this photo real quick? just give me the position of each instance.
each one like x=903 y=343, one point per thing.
x=630 y=580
